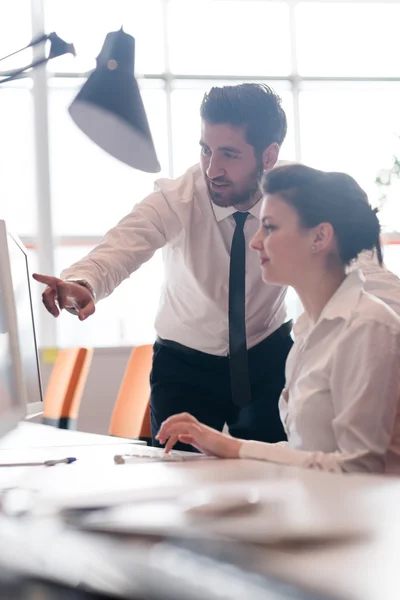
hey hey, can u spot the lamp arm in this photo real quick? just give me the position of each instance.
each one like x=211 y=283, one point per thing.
x=57 y=48
x=34 y=42
x=15 y=74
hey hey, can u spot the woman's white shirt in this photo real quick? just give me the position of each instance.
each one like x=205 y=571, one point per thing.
x=340 y=405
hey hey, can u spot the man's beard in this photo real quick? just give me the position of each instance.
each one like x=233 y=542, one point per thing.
x=238 y=198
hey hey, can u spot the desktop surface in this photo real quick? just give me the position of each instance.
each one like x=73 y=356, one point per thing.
x=13 y=587
x=362 y=567
x=35 y=435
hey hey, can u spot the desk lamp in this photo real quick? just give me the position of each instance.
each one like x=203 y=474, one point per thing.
x=108 y=108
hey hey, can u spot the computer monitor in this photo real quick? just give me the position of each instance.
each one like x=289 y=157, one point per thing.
x=12 y=387
x=20 y=275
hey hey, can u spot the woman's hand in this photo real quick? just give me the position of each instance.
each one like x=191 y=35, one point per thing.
x=185 y=428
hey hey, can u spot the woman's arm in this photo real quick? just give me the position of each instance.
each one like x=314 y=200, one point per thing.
x=365 y=390
x=365 y=386
x=187 y=429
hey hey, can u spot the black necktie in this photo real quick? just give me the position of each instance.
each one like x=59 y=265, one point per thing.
x=239 y=370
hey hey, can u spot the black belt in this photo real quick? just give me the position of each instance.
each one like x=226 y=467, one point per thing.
x=282 y=332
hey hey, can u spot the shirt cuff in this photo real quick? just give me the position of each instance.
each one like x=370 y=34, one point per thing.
x=68 y=275
x=282 y=453
x=278 y=453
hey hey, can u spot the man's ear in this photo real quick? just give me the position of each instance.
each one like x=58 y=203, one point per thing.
x=270 y=156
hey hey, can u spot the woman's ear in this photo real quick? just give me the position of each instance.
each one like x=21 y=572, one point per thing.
x=270 y=156
x=323 y=237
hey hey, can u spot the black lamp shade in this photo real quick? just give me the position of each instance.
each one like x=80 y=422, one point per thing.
x=109 y=108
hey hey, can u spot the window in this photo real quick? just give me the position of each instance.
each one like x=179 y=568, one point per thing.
x=127 y=315
x=86 y=24
x=186 y=98
x=17 y=157
x=347 y=39
x=334 y=63
x=229 y=38
x=15 y=33
x=91 y=190
x=350 y=127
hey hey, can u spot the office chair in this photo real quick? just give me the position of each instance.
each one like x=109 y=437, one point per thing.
x=65 y=388
x=131 y=414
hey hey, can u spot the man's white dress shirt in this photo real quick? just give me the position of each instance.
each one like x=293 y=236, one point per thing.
x=379 y=281
x=340 y=405
x=196 y=236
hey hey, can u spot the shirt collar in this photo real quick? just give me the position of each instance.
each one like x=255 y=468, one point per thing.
x=340 y=306
x=221 y=212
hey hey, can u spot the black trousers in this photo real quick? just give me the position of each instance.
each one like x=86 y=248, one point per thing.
x=199 y=383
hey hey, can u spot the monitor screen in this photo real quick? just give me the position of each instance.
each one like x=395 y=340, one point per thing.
x=25 y=323
x=12 y=389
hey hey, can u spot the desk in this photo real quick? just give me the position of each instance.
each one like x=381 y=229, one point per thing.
x=360 y=569
x=33 y=442
x=35 y=435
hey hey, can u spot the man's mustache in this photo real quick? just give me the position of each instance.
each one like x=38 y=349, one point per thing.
x=217 y=180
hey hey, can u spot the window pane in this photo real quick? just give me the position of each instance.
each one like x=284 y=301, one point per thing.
x=391 y=254
x=293 y=305
x=186 y=99
x=86 y=24
x=126 y=318
x=15 y=33
x=348 y=38
x=352 y=128
x=230 y=37
x=91 y=190
x=17 y=204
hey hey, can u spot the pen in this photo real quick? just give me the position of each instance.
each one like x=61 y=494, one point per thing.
x=46 y=463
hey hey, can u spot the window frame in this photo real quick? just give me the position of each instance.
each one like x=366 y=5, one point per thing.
x=45 y=241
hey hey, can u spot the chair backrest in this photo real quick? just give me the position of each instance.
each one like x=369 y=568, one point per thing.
x=131 y=414
x=65 y=388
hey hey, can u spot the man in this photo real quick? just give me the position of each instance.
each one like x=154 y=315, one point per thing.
x=379 y=281
x=214 y=305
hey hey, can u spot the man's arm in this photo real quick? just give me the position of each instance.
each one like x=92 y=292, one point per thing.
x=126 y=246
x=74 y=297
x=379 y=281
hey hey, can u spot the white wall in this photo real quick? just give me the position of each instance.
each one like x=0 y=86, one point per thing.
x=105 y=375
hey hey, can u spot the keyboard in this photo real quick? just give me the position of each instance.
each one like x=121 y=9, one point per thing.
x=152 y=454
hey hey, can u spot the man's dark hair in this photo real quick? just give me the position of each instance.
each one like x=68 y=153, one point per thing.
x=254 y=106
x=327 y=197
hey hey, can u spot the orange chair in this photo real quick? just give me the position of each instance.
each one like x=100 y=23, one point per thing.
x=131 y=414
x=65 y=388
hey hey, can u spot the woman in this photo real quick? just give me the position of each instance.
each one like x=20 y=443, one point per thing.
x=341 y=398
